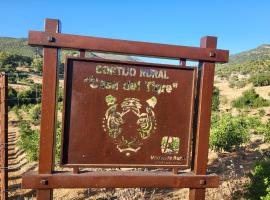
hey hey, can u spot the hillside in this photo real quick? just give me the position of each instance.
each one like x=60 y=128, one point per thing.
x=255 y=62
x=18 y=46
x=262 y=52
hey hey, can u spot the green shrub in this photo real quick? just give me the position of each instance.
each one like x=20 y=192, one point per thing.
x=261 y=112
x=37 y=64
x=30 y=96
x=228 y=132
x=12 y=97
x=25 y=81
x=58 y=143
x=264 y=129
x=26 y=108
x=267 y=131
x=259 y=187
x=254 y=122
x=215 y=99
x=237 y=84
x=267 y=197
x=262 y=79
x=250 y=99
x=60 y=94
x=35 y=113
x=29 y=140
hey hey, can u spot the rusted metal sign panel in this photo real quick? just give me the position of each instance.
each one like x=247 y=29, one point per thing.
x=127 y=114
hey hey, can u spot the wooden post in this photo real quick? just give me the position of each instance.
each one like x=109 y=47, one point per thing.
x=4 y=136
x=207 y=71
x=49 y=108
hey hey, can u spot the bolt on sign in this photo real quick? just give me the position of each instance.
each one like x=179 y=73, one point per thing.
x=125 y=114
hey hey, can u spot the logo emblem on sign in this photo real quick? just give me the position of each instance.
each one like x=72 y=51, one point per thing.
x=129 y=122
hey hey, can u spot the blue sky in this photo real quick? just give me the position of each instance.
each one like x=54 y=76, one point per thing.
x=239 y=24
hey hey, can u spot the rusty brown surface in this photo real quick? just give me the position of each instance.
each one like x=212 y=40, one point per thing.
x=48 y=108
x=96 y=132
x=204 y=105
x=4 y=136
x=119 y=179
x=68 y=41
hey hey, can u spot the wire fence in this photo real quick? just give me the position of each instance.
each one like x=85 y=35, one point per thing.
x=25 y=88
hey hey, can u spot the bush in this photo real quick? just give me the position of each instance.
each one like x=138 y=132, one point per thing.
x=37 y=64
x=31 y=96
x=264 y=129
x=58 y=143
x=254 y=122
x=215 y=99
x=29 y=140
x=25 y=81
x=260 y=79
x=261 y=112
x=259 y=187
x=237 y=84
x=250 y=99
x=60 y=94
x=228 y=132
x=35 y=113
x=12 y=97
x=267 y=131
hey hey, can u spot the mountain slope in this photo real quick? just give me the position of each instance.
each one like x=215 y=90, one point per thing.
x=260 y=53
x=18 y=46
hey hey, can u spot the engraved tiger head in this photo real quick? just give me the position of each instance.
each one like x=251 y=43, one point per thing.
x=127 y=125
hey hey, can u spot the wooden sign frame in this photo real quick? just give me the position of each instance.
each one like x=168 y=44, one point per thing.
x=47 y=179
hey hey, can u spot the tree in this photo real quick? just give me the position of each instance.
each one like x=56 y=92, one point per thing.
x=37 y=64
x=10 y=61
x=12 y=96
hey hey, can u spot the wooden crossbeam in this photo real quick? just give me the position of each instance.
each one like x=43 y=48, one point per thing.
x=47 y=39
x=118 y=179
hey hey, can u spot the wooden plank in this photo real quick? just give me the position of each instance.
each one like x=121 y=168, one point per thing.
x=118 y=179
x=4 y=136
x=204 y=117
x=37 y=38
x=48 y=109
